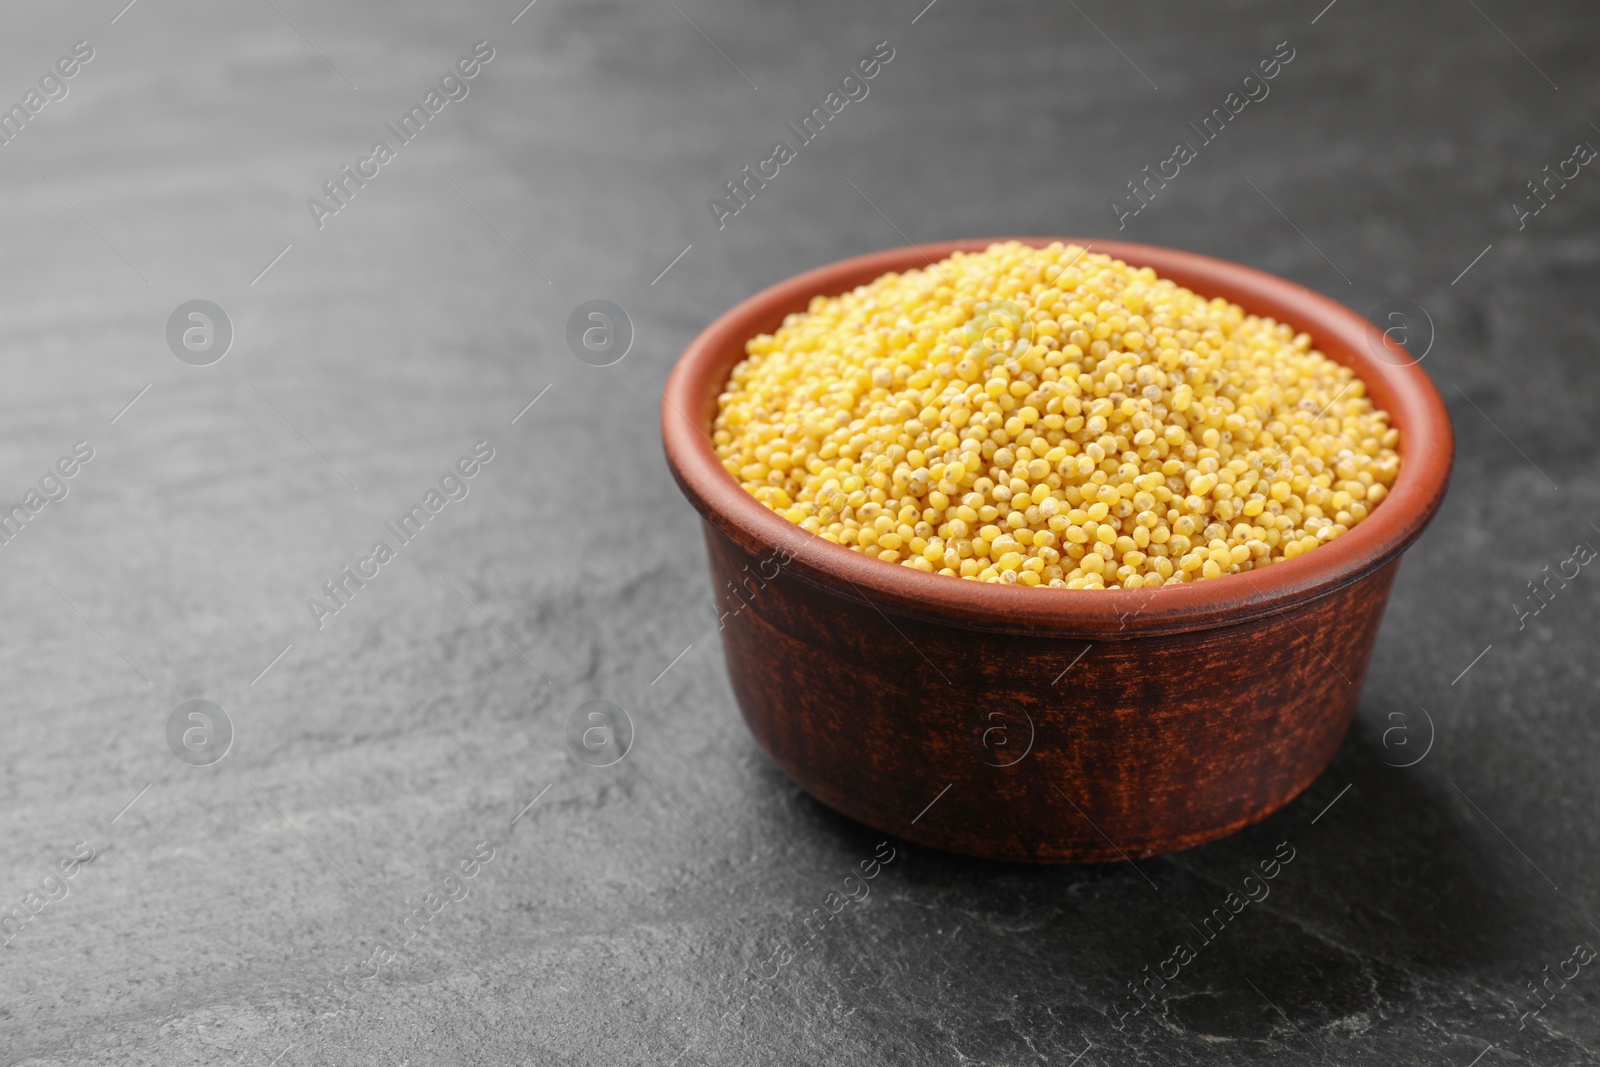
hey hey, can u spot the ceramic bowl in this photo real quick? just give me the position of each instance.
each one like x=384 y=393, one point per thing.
x=1050 y=725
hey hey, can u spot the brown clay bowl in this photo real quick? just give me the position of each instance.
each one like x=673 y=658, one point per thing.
x=1050 y=725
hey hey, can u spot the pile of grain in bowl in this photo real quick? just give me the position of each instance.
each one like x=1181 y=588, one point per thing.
x=1053 y=417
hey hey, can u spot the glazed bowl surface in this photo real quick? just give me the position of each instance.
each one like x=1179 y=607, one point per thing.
x=1050 y=725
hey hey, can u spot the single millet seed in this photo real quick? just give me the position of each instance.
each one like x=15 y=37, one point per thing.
x=1053 y=417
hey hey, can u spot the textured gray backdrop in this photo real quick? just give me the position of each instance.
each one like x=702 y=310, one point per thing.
x=231 y=913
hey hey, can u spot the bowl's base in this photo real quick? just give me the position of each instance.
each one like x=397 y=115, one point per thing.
x=1107 y=852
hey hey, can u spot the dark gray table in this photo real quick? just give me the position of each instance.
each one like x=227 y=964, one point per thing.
x=231 y=912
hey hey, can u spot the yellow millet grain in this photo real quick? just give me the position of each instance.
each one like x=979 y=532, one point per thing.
x=1053 y=417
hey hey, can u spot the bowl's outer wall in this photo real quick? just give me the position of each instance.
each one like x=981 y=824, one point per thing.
x=1140 y=746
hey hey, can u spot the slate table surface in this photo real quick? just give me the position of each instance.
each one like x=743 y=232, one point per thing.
x=230 y=912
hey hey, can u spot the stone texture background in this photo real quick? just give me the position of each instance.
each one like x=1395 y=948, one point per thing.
x=622 y=915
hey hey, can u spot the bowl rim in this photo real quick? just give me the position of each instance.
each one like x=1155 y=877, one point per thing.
x=1396 y=384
